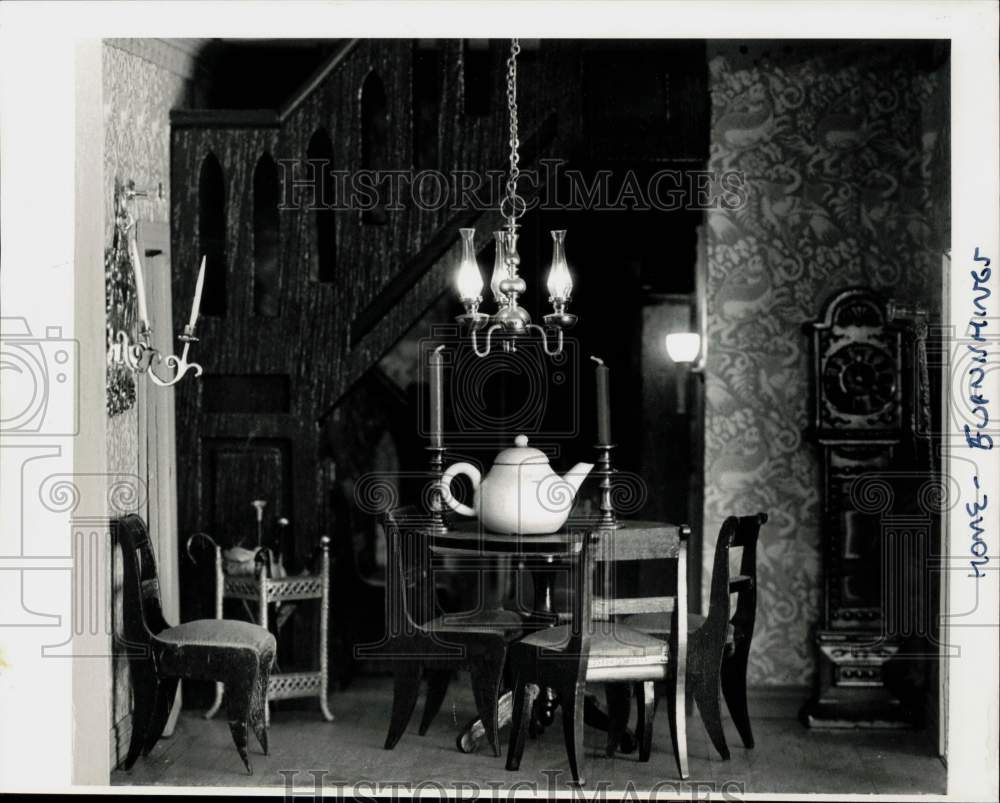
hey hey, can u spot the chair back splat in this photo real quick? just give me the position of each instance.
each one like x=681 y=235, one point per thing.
x=717 y=620
x=745 y=584
x=142 y=612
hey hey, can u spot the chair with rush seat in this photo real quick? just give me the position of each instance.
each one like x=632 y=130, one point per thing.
x=595 y=648
x=720 y=643
x=238 y=654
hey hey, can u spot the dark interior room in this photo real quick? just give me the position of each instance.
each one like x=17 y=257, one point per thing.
x=729 y=405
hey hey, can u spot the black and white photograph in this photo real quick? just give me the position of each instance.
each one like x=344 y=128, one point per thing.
x=500 y=399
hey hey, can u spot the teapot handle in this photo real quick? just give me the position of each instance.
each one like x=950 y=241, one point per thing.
x=469 y=471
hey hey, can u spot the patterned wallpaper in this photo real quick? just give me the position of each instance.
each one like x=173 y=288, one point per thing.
x=138 y=96
x=841 y=153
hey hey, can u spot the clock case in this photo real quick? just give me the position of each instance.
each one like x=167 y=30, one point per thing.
x=864 y=388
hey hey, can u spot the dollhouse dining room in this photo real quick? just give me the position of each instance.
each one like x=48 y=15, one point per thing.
x=526 y=413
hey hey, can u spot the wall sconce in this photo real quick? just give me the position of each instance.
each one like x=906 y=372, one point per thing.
x=140 y=356
x=683 y=347
x=688 y=348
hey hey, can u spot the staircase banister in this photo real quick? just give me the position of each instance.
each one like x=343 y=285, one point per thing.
x=317 y=78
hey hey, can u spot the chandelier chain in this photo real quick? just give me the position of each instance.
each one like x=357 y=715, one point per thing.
x=514 y=203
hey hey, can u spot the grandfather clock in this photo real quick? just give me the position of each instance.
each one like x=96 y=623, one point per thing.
x=863 y=395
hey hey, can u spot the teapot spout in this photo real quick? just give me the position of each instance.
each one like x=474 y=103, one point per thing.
x=576 y=475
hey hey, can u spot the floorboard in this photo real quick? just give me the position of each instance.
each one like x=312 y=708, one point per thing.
x=788 y=758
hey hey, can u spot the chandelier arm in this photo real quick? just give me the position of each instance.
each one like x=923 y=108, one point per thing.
x=545 y=339
x=489 y=339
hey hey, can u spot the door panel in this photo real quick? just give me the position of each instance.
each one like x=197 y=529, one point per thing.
x=239 y=471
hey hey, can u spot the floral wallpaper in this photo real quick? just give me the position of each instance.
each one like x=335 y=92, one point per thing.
x=842 y=155
x=138 y=96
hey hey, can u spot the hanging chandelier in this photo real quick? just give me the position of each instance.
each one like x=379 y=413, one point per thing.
x=511 y=321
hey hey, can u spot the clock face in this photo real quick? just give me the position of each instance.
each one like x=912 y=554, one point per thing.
x=860 y=379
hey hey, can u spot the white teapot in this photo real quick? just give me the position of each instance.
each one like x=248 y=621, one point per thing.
x=520 y=494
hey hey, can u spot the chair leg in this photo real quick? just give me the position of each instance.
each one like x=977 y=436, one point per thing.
x=676 y=705
x=405 y=690
x=216 y=702
x=571 y=699
x=144 y=685
x=594 y=717
x=645 y=694
x=166 y=690
x=487 y=671
x=437 y=688
x=617 y=696
x=524 y=702
x=258 y=705
x=706 y=695
x=734 y=689
x=240 y=692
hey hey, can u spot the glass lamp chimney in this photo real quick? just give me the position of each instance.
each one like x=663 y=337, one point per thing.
x=560 y=283
x=683 y=347
x=469 y=280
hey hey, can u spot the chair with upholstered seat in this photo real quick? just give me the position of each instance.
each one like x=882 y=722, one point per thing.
x=238 y=654
x=594 y=648
x=720 y=643
x=422 y=643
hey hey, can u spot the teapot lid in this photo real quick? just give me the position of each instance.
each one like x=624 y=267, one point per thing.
x=520 y=454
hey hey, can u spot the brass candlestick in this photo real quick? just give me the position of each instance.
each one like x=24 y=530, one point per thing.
x=435 y=502
x=604 y=469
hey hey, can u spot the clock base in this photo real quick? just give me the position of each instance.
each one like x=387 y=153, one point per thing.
x=819 y=715
x=852 y=689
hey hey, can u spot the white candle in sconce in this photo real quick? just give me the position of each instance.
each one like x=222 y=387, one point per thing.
x=140 y=287
x=196 y=305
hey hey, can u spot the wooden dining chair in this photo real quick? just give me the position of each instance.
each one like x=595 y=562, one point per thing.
x=594 y=648
x=719 y=643
x=421 y=642
x=238 y=654
x=737 y=655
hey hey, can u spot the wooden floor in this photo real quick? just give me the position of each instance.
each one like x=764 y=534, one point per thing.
x=788 y=757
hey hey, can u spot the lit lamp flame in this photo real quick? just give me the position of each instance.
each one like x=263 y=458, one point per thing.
x=683 y=347
x=560 y=282
x=469 y=280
